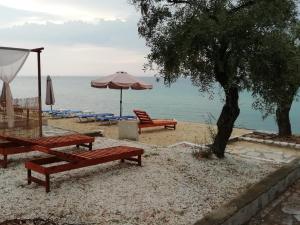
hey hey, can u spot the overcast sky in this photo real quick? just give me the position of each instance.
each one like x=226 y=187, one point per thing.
x=81 y=37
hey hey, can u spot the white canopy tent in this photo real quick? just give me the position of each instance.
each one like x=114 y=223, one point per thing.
x=11 y=62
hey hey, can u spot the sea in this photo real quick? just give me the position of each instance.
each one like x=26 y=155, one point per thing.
x=181 y=101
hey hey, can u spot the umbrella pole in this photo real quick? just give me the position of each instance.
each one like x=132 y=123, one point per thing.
x=121 y=96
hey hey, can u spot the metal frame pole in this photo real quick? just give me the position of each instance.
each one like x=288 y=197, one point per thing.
x=121 y=96
x=40 y=92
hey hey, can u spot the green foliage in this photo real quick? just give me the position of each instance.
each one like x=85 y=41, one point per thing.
x=208 y=40
x=275 y=69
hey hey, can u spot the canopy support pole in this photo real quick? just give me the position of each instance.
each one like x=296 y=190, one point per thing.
x=40 y=92
x=121 y=96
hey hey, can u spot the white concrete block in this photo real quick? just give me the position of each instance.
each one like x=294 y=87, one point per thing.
x=128 y=129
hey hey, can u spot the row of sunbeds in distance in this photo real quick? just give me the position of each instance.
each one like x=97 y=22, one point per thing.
x=103 y=117
x=87 y=116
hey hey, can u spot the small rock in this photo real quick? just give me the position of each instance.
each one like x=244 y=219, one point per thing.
x=292 y=145
x=284 y=144
x=268 y=141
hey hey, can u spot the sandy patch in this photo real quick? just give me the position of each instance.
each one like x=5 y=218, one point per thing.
x=170 y=188
x=185 y=131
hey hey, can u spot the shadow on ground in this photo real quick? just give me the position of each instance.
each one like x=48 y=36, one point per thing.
x=36 y=221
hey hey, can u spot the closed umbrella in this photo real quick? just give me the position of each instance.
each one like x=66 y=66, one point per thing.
x=3 y=94
x=50 y=100
x=120 y=80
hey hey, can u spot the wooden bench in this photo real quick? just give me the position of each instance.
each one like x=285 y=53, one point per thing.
x=16 y=145
x=78 y=160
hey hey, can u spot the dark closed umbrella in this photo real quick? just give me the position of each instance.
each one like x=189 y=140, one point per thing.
x=50 y=100
x=120 y=80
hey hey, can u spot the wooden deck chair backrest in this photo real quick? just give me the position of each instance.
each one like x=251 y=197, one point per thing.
x=143 y=116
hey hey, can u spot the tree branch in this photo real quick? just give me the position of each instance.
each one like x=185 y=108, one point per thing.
x=179 y=1
x=242 y=6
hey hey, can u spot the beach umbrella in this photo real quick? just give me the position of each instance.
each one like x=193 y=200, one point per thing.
x=50 y=100
x=120 y=80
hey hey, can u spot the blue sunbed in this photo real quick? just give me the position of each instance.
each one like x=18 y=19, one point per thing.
x=65 y=113
x=114 y=118
x=93 y=116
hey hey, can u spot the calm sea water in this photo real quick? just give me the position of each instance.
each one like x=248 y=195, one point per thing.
x=181 y=101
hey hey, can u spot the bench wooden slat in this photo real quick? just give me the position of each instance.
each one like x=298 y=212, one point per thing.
x=65 y=156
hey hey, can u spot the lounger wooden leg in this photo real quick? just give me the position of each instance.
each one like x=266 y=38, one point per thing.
x=77 y=146
x=140 y=160
x=47 y=183
x=91 y=146
x=4 y=162
x=122 y=160
x=140 y=130
x=28 y=176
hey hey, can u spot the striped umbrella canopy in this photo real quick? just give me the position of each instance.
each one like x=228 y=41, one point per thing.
x=120 y=80
x=50 y=100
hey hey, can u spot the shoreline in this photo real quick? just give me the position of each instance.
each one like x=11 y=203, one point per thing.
x=197 y=133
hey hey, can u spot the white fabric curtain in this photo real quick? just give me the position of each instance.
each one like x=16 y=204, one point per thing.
x=11 y=61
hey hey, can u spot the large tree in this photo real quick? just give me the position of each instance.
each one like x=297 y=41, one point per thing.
x=208 y=41
x=275 y=72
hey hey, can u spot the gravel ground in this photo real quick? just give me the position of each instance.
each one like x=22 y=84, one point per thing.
x=172 y=187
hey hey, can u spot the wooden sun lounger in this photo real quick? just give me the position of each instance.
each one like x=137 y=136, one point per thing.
x=77 y=160
x=13 y=145
x=146 y=121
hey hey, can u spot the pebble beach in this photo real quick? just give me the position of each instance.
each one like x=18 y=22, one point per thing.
x=172 y=187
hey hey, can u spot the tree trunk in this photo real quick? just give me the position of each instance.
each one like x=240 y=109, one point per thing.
x=283 y=119
x=225 y=123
